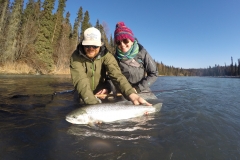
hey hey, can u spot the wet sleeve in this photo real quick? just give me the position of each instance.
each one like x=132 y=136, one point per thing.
x=80 y=80
x=116 y=75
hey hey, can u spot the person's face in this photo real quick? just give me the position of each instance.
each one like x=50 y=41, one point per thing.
x=91 y=51
x=124 y=45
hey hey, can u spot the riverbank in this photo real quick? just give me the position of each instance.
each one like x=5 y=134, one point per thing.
x=23 y=68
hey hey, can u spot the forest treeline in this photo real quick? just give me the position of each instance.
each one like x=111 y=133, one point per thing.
x=232 y=70
x=43 y=41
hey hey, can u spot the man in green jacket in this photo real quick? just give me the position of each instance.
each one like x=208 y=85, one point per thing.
x=90 y=64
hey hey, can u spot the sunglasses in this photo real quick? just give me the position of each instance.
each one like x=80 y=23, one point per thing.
x=125 y=41
x=90 y=46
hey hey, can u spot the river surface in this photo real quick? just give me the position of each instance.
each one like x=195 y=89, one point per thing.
x=199 y=119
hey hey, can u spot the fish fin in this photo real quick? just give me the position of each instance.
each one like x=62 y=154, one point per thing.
x=158 y=106
x=92 y=124
x=95 y=123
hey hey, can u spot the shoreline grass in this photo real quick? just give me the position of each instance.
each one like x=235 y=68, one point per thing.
x=23 y=68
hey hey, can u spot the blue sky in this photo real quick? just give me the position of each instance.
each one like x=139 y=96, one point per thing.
x=179 y=33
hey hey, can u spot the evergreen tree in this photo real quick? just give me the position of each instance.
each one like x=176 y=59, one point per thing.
x=58 y=20
x=112 y=45
x=43 y=44
x=85 y=24
x=67 y=22
x=75 y=34
x=97 y=25
x=58 y=30
x=238 y=67
x=235 y=70
x=37 y=10
x=63 y=49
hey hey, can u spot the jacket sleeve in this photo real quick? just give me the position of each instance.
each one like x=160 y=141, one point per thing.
x=151 y=70
x=116 y=75
x=80 y=79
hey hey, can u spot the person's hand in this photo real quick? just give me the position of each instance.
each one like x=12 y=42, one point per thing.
x=102 y=94
x=136 y=99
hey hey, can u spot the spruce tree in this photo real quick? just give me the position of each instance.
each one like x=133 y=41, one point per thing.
x=75 y=33
x=58 y=20
x=43 y=44
x=112 y=45
x=97 y=25
x=58 y=30
x=231 y=66
x=238 y=72
x=85 y=24
x=64 y=48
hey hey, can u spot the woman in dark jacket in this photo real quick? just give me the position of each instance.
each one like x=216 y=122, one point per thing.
x=135 y=62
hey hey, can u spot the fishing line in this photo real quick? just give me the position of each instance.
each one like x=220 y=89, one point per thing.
x=63 y=92
x=72 y=91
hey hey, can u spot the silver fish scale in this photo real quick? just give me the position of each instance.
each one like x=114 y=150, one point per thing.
x=109 y=112
x=114 y=112
x=116 y=107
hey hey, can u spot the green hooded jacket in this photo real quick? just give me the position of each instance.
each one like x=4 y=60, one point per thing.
x=89 y=75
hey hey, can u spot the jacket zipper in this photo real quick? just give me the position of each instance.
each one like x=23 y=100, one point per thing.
x=93 y=69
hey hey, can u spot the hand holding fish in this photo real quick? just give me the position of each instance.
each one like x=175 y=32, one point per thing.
x=102 y=92
x=137 y=100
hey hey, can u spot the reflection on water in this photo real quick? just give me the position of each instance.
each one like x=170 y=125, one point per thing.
x=131 y=129
x=199 y=120
x=84 y=133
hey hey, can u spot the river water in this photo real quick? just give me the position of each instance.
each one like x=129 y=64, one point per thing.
x=199 y=119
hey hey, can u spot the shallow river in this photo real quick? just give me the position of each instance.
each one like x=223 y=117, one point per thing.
x=199 y=119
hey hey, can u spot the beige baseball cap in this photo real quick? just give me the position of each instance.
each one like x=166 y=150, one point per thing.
x=92 y=36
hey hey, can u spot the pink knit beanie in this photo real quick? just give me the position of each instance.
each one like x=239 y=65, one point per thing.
x=123 y=32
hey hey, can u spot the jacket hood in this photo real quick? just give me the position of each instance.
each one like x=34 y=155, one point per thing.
x=102 y=52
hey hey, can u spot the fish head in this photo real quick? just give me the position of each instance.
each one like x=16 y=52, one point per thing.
x=78 y=116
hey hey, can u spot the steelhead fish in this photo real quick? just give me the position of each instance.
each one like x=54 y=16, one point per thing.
x=109 y=112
